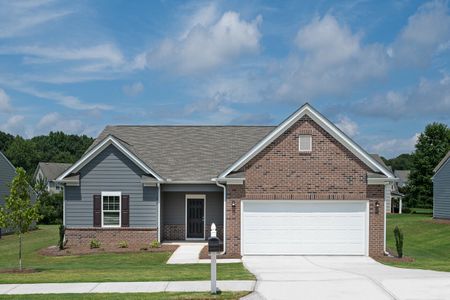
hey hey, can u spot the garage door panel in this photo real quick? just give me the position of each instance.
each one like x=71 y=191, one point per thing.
x=300 y=227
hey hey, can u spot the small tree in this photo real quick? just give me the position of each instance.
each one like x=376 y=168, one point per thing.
x=19 y=212
x=398 y=241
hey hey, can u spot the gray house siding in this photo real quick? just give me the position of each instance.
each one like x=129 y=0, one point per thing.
x=441 y=192
x=111 y=171
x=7 y=173
x=174 y=207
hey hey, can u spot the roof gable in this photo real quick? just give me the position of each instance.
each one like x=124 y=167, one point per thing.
x=326 y=125
x=98 y=148
x=442 y=163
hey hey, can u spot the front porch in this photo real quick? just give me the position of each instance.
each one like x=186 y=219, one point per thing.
x=187 y=212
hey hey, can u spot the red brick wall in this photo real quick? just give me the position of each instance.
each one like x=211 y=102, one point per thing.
x=328 y=172
x=110 y=236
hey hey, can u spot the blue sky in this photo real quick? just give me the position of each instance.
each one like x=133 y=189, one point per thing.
x=379 y=69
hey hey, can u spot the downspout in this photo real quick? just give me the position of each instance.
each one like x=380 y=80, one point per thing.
x=159 y=211
x=224 y=215
x=386 y=187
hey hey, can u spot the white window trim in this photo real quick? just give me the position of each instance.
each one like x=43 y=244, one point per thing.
x=120 y=208
x=195 y=196
x=310 y=142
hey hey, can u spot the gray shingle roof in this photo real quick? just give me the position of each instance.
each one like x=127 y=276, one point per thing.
x=52 y=170
x=402 y=176
x=187 y=153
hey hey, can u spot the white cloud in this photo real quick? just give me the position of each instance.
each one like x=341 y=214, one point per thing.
x=14 y=125
x=331 y=60
x=348 y=126
x=22 y=17
x=427 y=32
x=205 y=46
x=38 y=54
x=55 y=122
x=133 y=89
x=5 y=103
x=392 y=147
x=428 y=97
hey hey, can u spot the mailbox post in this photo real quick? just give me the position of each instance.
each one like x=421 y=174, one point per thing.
x=213 y=249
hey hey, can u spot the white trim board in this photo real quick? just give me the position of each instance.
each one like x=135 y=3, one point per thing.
x=194 y=196
x=308 y=110
x=110 y=140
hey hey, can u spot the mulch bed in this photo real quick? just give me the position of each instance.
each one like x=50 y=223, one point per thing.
x=388 y=259
x=204 y=254
x=54 y=251
x=17 y=271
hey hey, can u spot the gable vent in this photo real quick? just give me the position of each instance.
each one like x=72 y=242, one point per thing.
x=305 y=143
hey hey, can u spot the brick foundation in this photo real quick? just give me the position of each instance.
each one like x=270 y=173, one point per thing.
x=329 y=172
x=110 y=236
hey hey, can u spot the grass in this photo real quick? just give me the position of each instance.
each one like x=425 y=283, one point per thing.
x=425 y=241
x=135 y=296
x=102 y=267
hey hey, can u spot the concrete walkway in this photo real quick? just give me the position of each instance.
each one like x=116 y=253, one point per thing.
x=125 y=287
x=342 y=277
x=188 y=253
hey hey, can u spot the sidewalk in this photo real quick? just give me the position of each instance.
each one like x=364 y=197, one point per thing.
x=125 y=287
x=188 y=253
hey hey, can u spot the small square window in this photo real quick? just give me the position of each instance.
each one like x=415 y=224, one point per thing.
x=305 y=143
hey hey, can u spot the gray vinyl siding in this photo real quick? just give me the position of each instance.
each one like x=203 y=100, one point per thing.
x=174 y=206
x=111 y=171
x=7 y=173
x=441 y=192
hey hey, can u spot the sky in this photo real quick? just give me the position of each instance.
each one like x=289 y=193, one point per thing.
x=380 y=70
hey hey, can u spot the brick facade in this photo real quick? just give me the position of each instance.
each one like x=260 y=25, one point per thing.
x=329 y=172
x=110 y=236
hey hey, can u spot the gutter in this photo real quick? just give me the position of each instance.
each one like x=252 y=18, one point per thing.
x=224 y=215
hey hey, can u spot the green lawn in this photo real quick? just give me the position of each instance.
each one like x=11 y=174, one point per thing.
x=136 y=296
x=142 y=266
x=427 y=242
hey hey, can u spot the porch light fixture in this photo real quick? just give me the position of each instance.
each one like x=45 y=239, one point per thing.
x=377 y=207
x=233 y=204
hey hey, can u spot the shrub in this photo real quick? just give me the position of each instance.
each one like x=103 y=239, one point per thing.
x=398 y=241
x=123 y=244
x=95 y=244
x=406 y=210
x=62 y=231
x=155 y=244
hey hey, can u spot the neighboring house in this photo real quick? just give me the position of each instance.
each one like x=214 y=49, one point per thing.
x=49 y=171
x=302 y=187
x=7 y=174
x=441 y=189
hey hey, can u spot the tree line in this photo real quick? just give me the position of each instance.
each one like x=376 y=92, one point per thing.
x=54 y=147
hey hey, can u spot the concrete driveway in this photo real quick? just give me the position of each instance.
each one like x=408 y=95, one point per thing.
x=342 y=277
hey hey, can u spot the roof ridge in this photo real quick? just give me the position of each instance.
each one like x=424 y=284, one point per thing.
x=226 y=126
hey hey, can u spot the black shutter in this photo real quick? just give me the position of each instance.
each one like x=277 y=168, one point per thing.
x=125 y=211
x=97 y=211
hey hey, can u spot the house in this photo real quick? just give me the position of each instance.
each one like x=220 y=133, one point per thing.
x=441 y=189
x=302 y=187
x=7 y=174
x=48 y=172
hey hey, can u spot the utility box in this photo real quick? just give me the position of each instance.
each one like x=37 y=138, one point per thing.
x=213 y=244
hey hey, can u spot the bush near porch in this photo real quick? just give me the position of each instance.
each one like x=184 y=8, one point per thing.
x=99 y=267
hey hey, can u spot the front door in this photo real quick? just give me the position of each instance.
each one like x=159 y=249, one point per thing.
x=195 y=218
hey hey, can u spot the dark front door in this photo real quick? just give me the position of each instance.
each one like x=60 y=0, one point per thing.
x=195 y=218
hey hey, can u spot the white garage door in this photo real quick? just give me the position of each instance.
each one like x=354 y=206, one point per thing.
x=304 y=227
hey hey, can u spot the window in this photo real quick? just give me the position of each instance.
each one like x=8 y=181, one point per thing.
x=304 y=143
x=111 y=209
